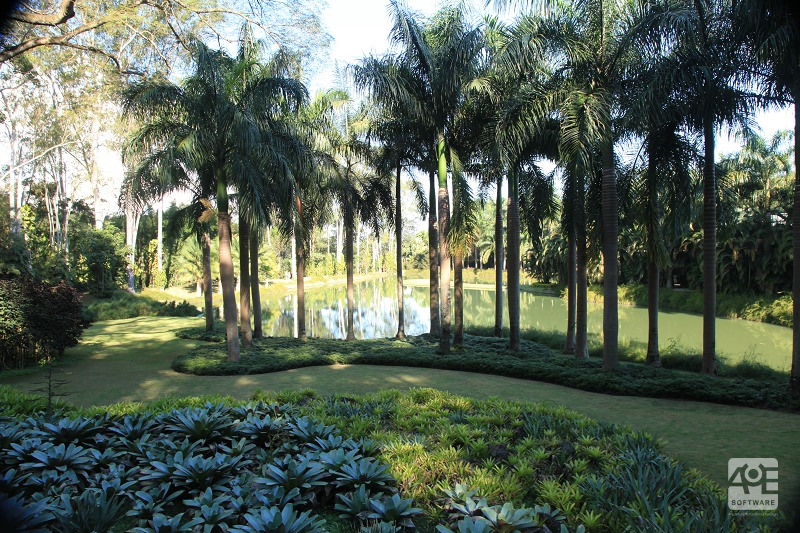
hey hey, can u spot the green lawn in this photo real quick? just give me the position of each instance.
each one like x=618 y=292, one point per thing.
x=129 y=360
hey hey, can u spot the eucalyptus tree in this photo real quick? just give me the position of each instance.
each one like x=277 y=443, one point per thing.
x=209 y=118
x=772 y=30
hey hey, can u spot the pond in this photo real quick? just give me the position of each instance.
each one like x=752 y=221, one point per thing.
x=376 y=317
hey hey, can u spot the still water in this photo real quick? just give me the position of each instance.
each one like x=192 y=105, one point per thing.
x=376 y=317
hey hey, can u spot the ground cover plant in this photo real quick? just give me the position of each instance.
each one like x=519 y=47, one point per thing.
x=392 y=461
x=489 y=355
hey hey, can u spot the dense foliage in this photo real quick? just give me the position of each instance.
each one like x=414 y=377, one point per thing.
x=37 y=321
x=305 y=465
x=492 y=356
x=126 y=305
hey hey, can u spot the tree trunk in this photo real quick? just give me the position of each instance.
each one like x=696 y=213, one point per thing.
x=226 y=274
x=339 y=241
x=653 y=356
x=513 y=259
x=582 y=281
x=572 y=259
x=255 y=286
x=348 y=260
x=458 y=300
x=433 y=257
x=610 y=214
x=300 y=316
x=244 y=282
x=398 y=232
x=498 y=259
x=652 y=218
x=794 y=379
x=160 y=237
x=444 y=248
x=709 y=251
x=208 y=294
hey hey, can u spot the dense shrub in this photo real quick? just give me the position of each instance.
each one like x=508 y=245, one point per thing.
x=99 y=260
x=37 y=321
x=126 y=305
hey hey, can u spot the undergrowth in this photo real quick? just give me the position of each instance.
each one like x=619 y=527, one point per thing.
x=298 y=463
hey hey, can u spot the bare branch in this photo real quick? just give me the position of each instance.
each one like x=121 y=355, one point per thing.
x=13 y=51
x=65 y=12
x=37 y=157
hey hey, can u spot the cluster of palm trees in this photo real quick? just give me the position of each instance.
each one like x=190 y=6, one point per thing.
x=467 y=102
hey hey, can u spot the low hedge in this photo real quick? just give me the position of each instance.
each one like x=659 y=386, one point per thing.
x=490 y=356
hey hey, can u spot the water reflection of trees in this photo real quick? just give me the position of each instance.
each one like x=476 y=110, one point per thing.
x=376 y=317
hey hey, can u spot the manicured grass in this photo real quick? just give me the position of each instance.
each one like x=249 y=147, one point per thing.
x=129 y=360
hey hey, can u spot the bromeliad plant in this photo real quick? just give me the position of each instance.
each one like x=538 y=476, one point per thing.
x=258 y=467
x=265 y=466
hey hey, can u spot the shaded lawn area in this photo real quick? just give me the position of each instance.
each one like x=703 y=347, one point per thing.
x=129 y=360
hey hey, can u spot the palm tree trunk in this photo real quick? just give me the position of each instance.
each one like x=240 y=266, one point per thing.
x=458 y=300
x=398 y=233
x=513 y=259
x=794 y=377
x=498 y=259
x=208 y=291
x=610 y=214
x=653 y=358
x=348 y=260
x=255 y=286
x=444 y=248
x=572 y=259
x=244 y=282
x=709 y=251
x=300 y=317
x=226 y=273
x=433 y=257
x=582 y=281
x=582 y=295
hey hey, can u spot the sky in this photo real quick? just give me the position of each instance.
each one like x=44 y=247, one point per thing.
x=361 y=27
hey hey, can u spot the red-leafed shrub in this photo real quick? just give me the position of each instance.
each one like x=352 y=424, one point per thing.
x=37 y=321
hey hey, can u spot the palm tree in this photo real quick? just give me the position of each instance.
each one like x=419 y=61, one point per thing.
x=772 y=28
x=437 y=62
x=360 y=192
x=394 y=131
x=210 y=119
x=594 y=42
x=258 y=326
x=709 y=71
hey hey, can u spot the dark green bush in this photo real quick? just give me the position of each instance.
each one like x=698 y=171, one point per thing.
x=126 y=305
x=37 y=321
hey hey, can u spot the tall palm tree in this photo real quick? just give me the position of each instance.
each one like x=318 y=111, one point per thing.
x=594 y=42
x=708 y=69
x=405 y=133
x=772 y=28
x=392 y=127
x=209 y=118
x=360 y=192
x=437 y=60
